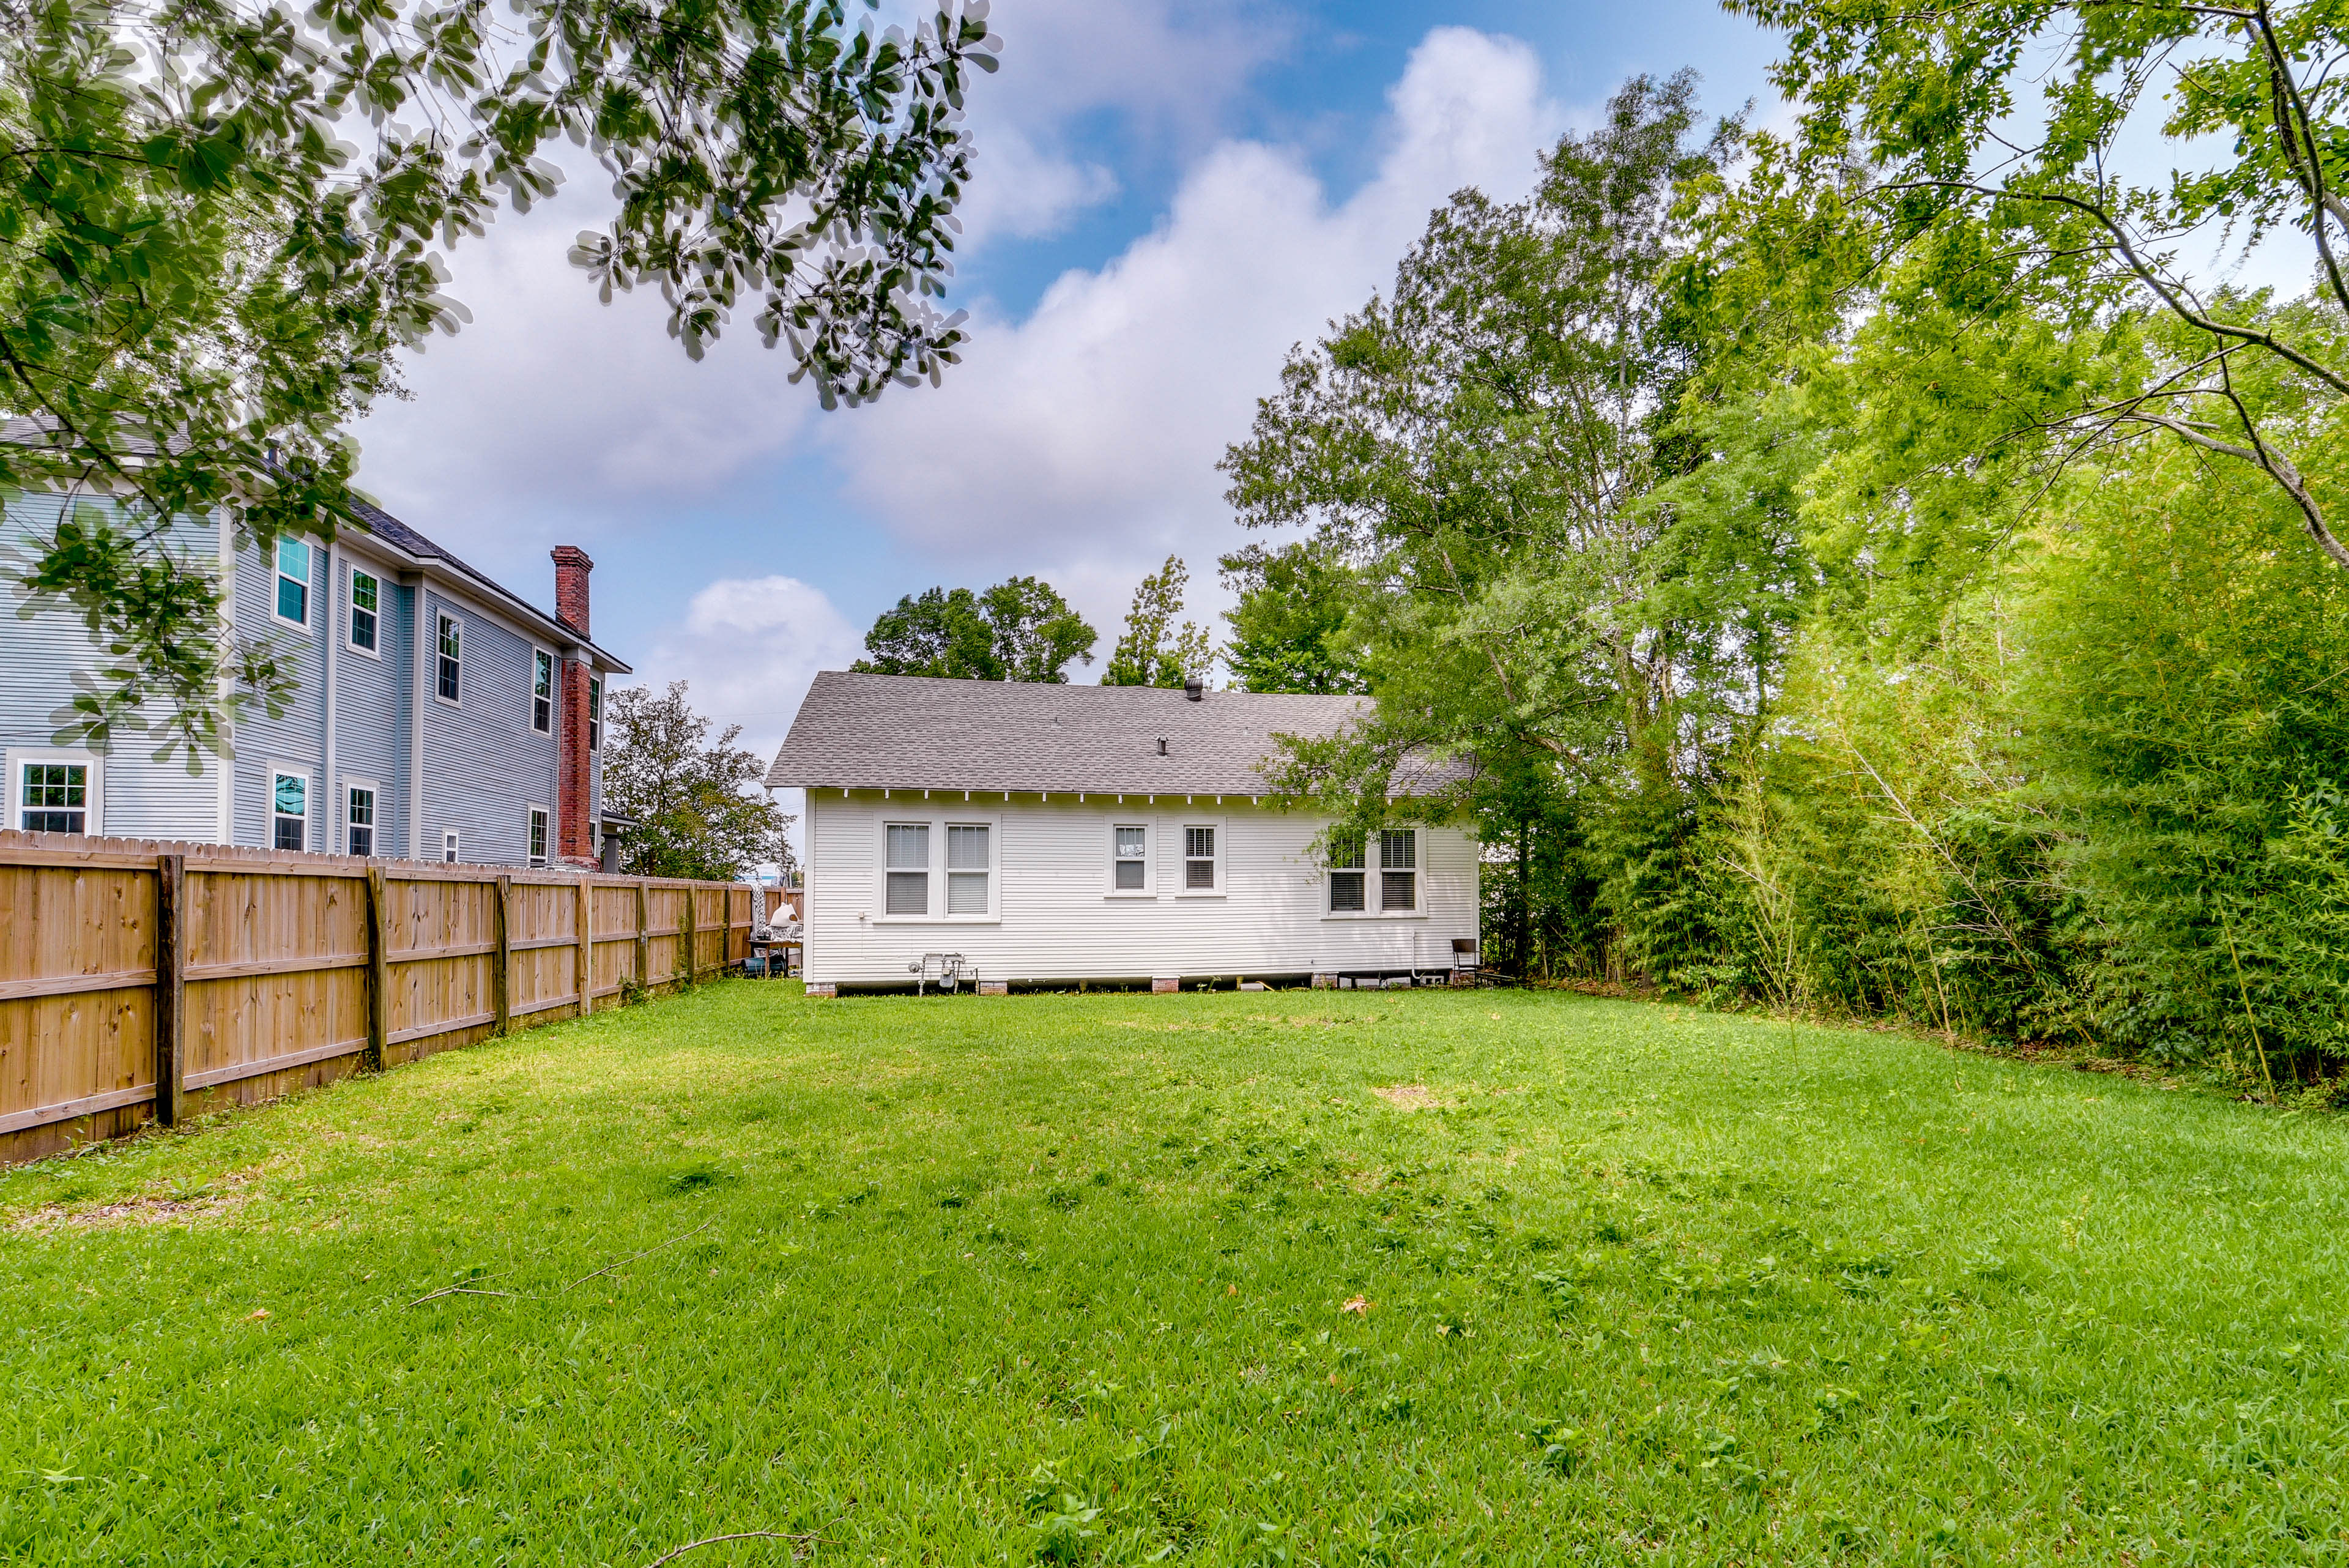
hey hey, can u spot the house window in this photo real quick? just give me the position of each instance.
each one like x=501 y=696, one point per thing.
x=1130 y=871
x=289 y=811
x=367 y=596
x=1198 y=858
x=359 y=819
x=1348 y=873
x=53 y=797
x=449 y=847
x=594 y=713
x=538 y=835
x=452 y=659
x=293 y=581
x=541 y=691
x=908 y=889
x=966 y=868
x=1398 y=868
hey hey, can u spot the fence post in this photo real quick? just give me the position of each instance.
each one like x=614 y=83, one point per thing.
x=171 y=985
x=379 y=971
x=688 y=930
x=502 y=962
x=644 y=938
x=582 y=929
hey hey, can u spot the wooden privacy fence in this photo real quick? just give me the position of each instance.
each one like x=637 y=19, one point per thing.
x=142 y=979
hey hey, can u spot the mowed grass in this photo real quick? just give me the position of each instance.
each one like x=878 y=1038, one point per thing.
x=1002 y=1279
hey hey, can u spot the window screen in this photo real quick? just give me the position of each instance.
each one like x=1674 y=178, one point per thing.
x=1346 y=877
x=1132 y=873
x=966 y=868
x=1198 y=858
x=359 y=828
x=365 y=596
x=908 y=889
x=290 y=811
x=1397 y=870
x=53 y=797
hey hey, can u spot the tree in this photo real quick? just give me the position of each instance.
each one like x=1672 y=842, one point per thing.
x=695 y=813
x=1962 y=169
x=1288 y=627
x=1153 y=650
x=1019 y=630
x=202 y=283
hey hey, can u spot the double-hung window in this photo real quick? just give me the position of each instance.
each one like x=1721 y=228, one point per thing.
x=367 y=604
x=53 y=796
x=449 y=847
x=908 y=868
x=1198 y=860
x=594 y=713
x=359 y=819
x=542 y=691
x=1398 y=869
x=1129 y=859
x=452 y=659
x=969 y=867
x=289 y=810
x=538 y=835
x=293 y=582
x=1348 y=873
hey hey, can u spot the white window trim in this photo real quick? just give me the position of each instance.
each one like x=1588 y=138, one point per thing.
x=1372 y=888
x=270 y=813
x=309 y=582
x=1149 y=888
x=440 y=615
x=1181 y=858
x=351 y=606
x=554 y=688
x=938 y=823
x=93 y=818
x=537 y=862
x=453 y=850
x=343 y=826
x=597 y=691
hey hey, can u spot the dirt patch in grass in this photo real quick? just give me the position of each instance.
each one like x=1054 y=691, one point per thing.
x=1408 y=1097
x=221 y=1200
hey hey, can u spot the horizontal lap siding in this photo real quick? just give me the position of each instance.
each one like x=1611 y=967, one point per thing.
x=296 y=738
x=1057 y=922
x=42 y=653
x=371 y=710
x=483 y=763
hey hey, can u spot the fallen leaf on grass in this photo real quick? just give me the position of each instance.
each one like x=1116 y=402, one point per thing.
x=257 y=1314
x=1359 y=1306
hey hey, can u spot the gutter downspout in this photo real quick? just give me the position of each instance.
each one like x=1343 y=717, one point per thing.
x=416 y=729
x=225 y=822
x=328 y=790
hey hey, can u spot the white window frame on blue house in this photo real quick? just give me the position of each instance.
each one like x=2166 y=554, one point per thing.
x=278 y=773
x=540 y=657
x=374 y=825
x=353 y=610
x=93 y=819
x=281 y=578
x=537 y=835
x=445 y=621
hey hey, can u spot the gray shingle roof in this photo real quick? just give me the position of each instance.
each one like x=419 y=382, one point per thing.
x=904 y=731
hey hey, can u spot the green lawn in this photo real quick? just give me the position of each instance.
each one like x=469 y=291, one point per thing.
x=985 y=1280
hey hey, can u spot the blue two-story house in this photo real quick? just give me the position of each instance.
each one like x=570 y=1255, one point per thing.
x=436 y=715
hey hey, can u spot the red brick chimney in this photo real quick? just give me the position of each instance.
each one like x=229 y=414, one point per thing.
x=574 y=779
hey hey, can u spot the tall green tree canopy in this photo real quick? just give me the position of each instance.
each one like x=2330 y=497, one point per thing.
x=1289 y=623
x=1154 y=650
x=203 y=282
x=1980 y=175
x=698 y=805
x=1019 y=630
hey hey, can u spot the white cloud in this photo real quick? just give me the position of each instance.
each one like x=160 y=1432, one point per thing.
x=1083 y=440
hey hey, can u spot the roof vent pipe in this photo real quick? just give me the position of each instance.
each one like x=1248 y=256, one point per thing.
x=1194 y=688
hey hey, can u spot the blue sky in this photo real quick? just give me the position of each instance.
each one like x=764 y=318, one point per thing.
x=1168 y=194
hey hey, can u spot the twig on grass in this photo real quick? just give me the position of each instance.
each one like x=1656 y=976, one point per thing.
x=470 y=1290
x=808 y=1539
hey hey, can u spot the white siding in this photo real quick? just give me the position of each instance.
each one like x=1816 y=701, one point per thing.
x=1057 y=918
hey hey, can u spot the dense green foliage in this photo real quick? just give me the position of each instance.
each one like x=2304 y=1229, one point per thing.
x=1288 y=619
x=204 y=282
x=1019 y=630
x=1802 y=656
x=1067 y=1279
x=699 y=805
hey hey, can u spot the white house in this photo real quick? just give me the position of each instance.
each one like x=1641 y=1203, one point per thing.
x=1052 y=833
